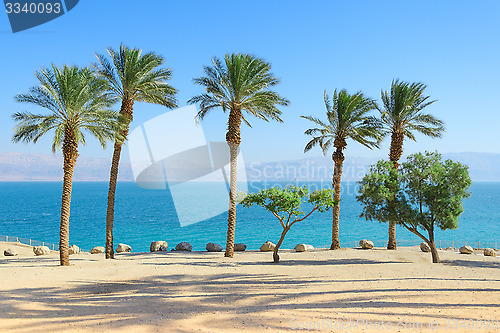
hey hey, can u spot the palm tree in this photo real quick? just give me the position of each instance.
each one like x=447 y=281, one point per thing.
x=78 y=102
x=347 y=119
x=239 y=84
x=402 y=116
x=132 y=76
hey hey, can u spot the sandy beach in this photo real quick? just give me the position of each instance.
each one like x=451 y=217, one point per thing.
x=349 y=290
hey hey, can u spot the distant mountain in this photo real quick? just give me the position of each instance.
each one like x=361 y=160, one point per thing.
x=41 y=167
x=482 y=166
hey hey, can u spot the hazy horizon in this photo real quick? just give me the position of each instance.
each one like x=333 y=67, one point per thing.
x=48 y=167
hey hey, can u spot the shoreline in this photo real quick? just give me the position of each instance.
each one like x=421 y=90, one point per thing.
x=4 y=245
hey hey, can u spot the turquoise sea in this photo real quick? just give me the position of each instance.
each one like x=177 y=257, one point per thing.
x=31 y=210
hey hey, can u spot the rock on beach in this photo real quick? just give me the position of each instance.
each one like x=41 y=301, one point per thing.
x=158 y=246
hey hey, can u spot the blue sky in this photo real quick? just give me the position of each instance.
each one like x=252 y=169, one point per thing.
x=452 y=46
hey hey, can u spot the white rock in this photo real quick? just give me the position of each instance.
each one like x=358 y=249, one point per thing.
x=97 y=249
x=211 y=247
x=267 y=246
x=183 y=246
x=123 y=248
x=303 y=247
x=73 y=249
x=366 y=244
x=490 y=253
x=158 y=246
x=466 y=249
x=424 y=247
x=41 y=250
x=10 y=253
x=240 y=247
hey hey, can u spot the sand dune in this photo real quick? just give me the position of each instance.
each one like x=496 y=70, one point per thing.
x=365 y=291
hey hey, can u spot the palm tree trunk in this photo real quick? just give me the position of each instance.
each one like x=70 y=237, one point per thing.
x=338 y=158
x=396 y=149
x=126 y=111
x=395 y=153
x=70 y=153
x=110 y=213
x=231 y=221
x=233 y=139
x=276 y=257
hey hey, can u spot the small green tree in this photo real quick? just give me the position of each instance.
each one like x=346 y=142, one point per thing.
x=425 y=194
x=284 y=204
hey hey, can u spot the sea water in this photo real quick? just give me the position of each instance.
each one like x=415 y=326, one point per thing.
x=32 y=210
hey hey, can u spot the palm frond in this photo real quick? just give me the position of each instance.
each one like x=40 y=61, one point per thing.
x=77 y=101
x=317 y=121
x=242 y=81
x=347 y=117
x=402 y=110
x=134 y=76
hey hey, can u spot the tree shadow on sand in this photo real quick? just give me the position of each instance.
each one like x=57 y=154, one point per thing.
x=328 y=262
x=284 y=262
x=472 y=263
x=164 y=299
